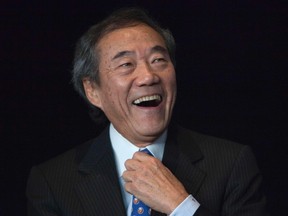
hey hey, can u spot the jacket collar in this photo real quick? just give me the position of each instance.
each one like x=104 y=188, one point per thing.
x=99 y=189
x=180 y=157
x=182 y=148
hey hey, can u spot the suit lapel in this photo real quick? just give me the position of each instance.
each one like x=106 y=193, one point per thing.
x=180 y=156
x=98 y=189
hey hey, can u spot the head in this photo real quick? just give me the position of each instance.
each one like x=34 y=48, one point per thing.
x=124 y=66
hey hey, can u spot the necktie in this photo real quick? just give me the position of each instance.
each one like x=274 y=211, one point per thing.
x=138 y=207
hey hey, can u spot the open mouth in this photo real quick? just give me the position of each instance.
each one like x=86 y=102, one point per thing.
x=148 y=101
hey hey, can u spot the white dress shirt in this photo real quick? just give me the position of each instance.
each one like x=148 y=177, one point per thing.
x=123 y=150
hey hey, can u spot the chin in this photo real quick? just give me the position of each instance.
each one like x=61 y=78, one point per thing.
x=152 y=129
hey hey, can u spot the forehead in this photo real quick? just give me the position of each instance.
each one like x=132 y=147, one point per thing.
x=131 y=39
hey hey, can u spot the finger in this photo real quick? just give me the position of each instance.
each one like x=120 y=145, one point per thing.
x=129 y=187
x=141 y=156
x=147 y=162
x=133 y=184
x=128 y=176
x=128 y=184
x=132 y=164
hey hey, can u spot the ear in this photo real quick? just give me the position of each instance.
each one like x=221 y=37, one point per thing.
x=92 y=92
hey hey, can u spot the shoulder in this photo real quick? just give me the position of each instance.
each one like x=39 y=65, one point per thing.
x=62 y=164
x=207 y=144
x=71 y=159
x=220 y=158
x=214 y=153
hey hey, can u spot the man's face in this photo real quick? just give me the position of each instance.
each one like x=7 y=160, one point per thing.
x=137 y=87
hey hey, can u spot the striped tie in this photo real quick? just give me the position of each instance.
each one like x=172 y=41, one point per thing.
x=138 y=207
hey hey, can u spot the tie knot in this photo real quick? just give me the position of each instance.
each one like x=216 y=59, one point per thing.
x=146 y=151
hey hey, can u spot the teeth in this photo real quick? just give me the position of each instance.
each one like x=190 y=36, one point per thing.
x=147 y=98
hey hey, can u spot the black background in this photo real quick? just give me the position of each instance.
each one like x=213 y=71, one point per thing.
x=232 y=81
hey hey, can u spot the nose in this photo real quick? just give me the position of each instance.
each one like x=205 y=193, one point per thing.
x=146 y=76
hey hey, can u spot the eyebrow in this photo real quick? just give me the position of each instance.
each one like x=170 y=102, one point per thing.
x=122 y=53
x=154 y=49
x=160 y=49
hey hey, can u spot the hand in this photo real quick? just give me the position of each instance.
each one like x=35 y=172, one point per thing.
x=153 y=183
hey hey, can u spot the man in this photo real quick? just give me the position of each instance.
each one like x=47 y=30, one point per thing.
x=124 y=67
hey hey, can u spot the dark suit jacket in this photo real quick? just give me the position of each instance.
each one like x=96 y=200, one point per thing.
x=221 y=175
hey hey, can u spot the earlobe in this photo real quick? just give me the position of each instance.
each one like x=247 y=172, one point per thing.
x=92 y=92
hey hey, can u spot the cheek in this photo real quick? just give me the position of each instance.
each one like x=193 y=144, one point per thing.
x=112 y=96
x=109 y=95
x=105 y=96
x=171 y=82
x=171 y=86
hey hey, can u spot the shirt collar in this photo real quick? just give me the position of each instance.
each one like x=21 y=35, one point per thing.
x=123 y=149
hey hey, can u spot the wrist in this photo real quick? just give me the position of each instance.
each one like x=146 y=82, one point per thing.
x=180 y=199
x=188 y=207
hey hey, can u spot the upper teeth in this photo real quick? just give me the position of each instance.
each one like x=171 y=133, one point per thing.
x=147 y=98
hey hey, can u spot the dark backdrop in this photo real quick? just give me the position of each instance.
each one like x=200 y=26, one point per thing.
x=231 y=59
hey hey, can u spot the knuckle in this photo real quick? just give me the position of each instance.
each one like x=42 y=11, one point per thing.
x=154 y=161
x=155 y=164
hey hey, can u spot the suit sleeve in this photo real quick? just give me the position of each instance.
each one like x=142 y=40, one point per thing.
x=243 y=195
x=39 y=195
